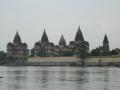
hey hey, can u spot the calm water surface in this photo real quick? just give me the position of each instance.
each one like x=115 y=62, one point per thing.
x=59 y=78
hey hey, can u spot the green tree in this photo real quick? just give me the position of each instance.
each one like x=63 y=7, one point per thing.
x=115 y=51
x=31 y=52
x=95 y=52
x=83 y=54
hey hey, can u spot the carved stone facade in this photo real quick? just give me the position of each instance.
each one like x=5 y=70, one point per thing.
x=103 y=50
x=43 y=48
x=79 y=42
x=17 y=49
x=46 y=48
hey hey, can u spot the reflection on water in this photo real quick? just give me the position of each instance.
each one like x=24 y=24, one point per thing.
x=59 y=78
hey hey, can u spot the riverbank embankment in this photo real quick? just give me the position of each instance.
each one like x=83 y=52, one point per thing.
x=69 y=61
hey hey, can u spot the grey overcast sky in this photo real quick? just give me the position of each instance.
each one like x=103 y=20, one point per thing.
x=30 y=17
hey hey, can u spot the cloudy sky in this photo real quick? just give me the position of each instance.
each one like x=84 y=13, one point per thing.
x=30 y=17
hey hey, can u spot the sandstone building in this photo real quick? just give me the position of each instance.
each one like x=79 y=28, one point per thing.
x=79 y=42
x=46 y=48
x=17 y=49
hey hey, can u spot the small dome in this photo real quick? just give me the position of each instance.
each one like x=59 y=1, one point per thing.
x=72 y=43
x=24 y=44
x=37 y=44
x=51 y=44
x=9 y=44
x=87 y=43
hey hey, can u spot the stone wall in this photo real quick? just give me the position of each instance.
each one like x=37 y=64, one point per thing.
x=92 y=61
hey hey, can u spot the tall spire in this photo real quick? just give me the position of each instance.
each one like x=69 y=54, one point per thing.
x=62 y=41
x=79 y=36
x=17 y=38
x=106 y=44
x=105 y=41
x=44 y=37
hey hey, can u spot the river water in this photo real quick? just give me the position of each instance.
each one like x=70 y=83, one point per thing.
x=59 y=78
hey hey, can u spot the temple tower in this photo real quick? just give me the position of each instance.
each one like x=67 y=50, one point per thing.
x=79 y=36
x=106 y=43
x=17 y=39
x=44 y=38
x=62 y=42
x=17 y=49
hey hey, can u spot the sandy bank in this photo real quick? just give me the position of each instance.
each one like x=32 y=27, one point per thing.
x=91 y=61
